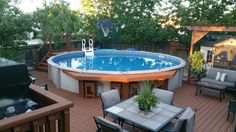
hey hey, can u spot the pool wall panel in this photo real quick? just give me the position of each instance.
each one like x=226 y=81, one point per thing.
x=176 y=81
x=69 y=83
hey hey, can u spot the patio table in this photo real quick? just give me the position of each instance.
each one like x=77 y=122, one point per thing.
x=153 y=120
x=211 y=87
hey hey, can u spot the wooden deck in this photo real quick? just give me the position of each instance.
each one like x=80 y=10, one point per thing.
x=210 y=113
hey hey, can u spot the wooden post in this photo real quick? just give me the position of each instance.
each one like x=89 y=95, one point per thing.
x=81 y=88
x=196 y=36
x=125 y=90
x=50 y=44
x=66 y=120
x=17 y=129
x=68 y=41
x=52 y=123
x=36 y=126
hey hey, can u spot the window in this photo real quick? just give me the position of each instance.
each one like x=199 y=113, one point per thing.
x=209 y=56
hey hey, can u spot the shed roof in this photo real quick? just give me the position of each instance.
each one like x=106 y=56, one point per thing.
x=210 y=41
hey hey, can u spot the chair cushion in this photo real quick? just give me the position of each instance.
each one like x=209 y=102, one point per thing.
x=110 y=98
x=218 y=75
x=108 y=125
x=163 y=95
x=212 y=72
x=223 y=77
x=231 y=74
x=226 y=83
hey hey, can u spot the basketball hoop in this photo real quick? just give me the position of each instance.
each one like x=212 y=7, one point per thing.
x=105 y=25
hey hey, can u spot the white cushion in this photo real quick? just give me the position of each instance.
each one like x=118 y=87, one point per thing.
x=217 y=76
x=223 y=77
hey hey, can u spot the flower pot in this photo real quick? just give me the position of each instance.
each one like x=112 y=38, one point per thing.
x=192 y=81
x=142 y=108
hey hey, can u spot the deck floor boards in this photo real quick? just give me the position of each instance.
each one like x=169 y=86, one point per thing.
x=211 y=115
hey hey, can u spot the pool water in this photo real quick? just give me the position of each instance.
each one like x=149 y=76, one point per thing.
x=116 y=61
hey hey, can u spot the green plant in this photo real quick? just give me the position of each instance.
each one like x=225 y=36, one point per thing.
x=196 y=64
x=146 y=99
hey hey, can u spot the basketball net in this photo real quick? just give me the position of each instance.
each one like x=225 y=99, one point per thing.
x=105 y=31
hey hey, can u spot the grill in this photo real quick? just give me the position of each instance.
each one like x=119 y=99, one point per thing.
x=14 y=89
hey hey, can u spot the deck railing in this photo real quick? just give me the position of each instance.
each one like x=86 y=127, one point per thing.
x=44 y=50
x=55 y=117
x=58 y=43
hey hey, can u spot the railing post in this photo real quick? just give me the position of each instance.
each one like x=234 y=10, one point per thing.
x=35 y=126
x=67 y=120
x=37 y=58
x=50 y=44
x=68 y=41
x=52 y=123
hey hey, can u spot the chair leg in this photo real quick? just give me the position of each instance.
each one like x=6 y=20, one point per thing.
x=228 y=115
x=196 y=90
x=197 y=87
x=220 y=96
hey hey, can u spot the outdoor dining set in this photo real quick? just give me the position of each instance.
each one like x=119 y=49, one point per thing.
x=158 y=118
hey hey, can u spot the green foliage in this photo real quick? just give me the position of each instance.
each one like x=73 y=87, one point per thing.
x=57 y=18
x=146 y=99
x=13 y=27
x=203 y=11
x=143 y=21
x=196 y=62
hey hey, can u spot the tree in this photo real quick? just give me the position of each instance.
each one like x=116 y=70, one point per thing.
x=57 y=18
x=201 y=12
x=13 y=27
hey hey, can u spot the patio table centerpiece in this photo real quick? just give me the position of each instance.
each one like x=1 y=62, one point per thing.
x=146 y=100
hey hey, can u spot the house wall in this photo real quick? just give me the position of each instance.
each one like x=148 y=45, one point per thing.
x=204 y=50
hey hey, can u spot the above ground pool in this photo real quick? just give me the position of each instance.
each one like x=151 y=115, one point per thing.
x=116 y=61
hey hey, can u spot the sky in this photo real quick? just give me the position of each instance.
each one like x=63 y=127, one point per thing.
x=28 y=6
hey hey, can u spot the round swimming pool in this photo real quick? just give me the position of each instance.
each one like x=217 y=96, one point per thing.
x=116 y=62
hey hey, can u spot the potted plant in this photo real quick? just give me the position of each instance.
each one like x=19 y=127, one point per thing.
x=196 y=66
x=146 y=100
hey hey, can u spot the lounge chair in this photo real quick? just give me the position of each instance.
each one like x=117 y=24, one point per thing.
x=104 y=125
x=186 y=123
x=163 y=95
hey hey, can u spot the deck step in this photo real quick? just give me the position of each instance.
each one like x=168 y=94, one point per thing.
x=42 y=69
x=43 y=65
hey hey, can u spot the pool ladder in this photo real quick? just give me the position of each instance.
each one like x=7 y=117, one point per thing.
x=89 y=52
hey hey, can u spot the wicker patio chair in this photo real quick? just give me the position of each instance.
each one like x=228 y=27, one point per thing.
x=231 y=107
x=104 y=125
x=163 y=95
x=109 y=99
x=186 y=123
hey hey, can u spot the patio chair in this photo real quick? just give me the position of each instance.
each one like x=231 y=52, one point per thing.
x=163 y=95
x=185 y=123
x=231 y=108
x=109 y=99
x=104 y=125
